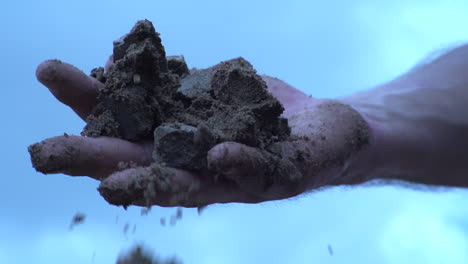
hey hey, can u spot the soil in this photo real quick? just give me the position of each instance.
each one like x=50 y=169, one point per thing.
x=150 y=96
x=139 y=255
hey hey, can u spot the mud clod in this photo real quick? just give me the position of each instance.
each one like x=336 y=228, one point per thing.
x=149 y=95
x=137 y=87
x=138 y=255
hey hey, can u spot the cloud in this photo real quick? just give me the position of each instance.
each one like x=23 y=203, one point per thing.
x=77 y=246
x=406 y=32
x=420 y=233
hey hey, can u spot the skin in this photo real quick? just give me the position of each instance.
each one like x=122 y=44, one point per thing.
x=420 y=123
x=410 y=129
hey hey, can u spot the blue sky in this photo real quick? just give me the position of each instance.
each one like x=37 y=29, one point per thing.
x=326 y=48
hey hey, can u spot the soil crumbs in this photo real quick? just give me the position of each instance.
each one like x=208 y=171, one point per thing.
x=138 y=255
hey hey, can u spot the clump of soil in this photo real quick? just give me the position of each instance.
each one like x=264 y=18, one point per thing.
x=138 y=255
x=149 y=96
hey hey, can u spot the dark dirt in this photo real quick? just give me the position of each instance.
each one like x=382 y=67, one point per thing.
x=201 y=209
x=139 y=255
x=78 y=219
x=126 y=227
x=179 y=213
x=150 y=96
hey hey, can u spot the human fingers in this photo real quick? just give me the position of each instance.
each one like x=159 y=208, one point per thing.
x=70 y=85
x=258 y=172
x=164 y=186
x=86 y=156
x=323 y=138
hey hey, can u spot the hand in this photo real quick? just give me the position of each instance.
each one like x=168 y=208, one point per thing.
x=324 y=135
x=419 y=123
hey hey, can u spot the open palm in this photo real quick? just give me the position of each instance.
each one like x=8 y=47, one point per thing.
x=324 y=133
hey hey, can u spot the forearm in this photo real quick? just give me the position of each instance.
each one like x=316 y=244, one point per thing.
x=419 y=125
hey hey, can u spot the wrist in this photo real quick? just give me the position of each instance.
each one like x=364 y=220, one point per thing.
x=363 y=165
x=410 y=143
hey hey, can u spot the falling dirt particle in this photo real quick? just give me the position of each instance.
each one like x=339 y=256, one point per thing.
x=77 y=220
x=179 y=213
x=125 y=229
x=330 y=250
x=145 y=211
x=173 y=220
x=162 y=221
x=116 y=219
x=134 y=229
x=201 y=209
x=300 y=156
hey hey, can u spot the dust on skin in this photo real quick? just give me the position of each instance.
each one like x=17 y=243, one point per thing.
x=52 y=163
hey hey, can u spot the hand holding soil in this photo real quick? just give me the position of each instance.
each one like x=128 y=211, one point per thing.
x=159 y=134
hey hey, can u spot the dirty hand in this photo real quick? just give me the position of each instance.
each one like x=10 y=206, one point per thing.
x=324 y=135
